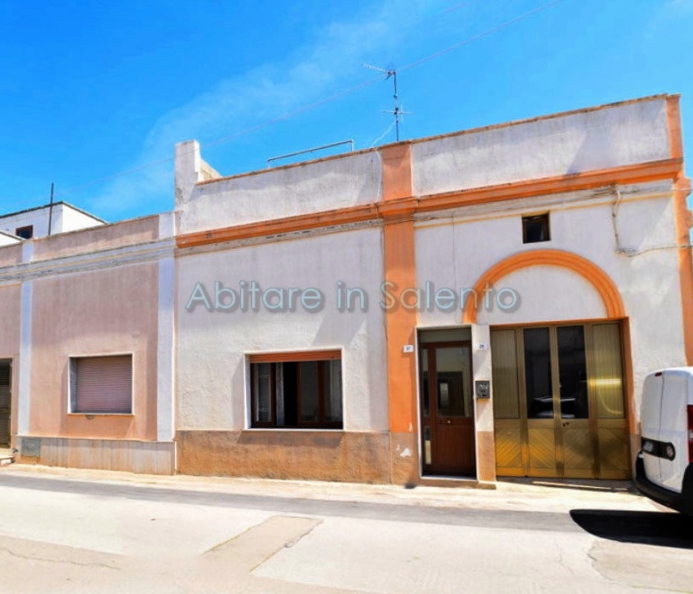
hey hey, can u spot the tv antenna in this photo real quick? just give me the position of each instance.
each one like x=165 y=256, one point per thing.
x=397 y=111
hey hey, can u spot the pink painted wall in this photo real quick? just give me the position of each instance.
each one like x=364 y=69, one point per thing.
x=10 y=303
x=110 y=311
x=11 y=254
x=98 y=238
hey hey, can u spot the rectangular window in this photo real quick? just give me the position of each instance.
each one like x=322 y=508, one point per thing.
x=101 y=385
x=536 y=228
x=25 y=232
x=299 y=390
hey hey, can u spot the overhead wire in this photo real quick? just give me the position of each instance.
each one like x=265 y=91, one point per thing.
x=226 y=138
x=294 y=113
x=321 y=102
x=386 y=75
x=481 y=35
x=384 y=134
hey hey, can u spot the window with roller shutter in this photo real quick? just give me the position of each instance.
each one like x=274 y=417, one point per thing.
x=101 y=385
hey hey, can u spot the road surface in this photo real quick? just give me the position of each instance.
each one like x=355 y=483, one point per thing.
x=66 y=535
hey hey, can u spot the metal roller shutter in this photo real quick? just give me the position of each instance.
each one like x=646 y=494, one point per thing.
x=102 y=384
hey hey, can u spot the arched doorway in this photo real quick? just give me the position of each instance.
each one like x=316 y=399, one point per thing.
x=558 y=373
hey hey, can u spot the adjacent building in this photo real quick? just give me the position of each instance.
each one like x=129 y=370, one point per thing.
x=456 y=308
x=59 y=217
x=15 y=228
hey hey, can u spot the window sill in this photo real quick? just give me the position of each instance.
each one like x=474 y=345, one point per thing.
x=99 y=414
x=295 y=429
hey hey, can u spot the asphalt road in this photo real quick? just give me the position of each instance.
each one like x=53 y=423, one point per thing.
x=60 y=535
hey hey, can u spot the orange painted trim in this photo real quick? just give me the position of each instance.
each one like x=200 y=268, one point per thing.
x=627 y=174
x=682 y=220
x=328 y=218
x=404 y=208
x=400 y=326
x=399 y=259
x=674 y=127
x=400 y=208
x=591 y=272
x=397 y=172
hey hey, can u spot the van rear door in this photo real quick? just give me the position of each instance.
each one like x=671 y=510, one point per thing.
x=650 y=423
x=674 y=428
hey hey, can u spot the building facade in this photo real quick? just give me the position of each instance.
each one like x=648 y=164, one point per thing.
x=474 y=305
x=88 y=346
x=43 y=221
x=15 y=228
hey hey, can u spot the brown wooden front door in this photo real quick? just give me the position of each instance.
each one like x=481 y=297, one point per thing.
x=447 y=409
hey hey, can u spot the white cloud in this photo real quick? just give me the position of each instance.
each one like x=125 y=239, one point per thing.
x=333 y=58
x=680 y=5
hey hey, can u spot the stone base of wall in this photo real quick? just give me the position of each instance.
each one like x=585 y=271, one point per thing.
x=486 y=456
x=405 y=459
x=145 y=457
x=303 y=455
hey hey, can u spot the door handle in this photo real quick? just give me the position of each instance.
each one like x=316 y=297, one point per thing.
x=445 y=421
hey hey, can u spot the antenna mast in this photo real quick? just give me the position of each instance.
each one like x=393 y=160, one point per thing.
x=397 y=111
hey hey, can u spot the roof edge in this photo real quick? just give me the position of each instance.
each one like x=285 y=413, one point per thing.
x=44 y=206
x=660 y=96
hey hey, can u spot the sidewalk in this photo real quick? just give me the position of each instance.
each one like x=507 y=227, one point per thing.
x=532 y=495
x=6 y=456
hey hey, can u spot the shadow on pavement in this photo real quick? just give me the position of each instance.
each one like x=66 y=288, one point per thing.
x=664 y=529
x=594 y=485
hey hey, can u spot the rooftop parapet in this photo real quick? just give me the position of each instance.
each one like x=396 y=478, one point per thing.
x=619 y=136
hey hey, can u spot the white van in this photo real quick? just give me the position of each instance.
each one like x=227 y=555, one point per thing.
x=664 y=467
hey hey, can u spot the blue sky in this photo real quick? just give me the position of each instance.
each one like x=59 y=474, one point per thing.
x=91 y=90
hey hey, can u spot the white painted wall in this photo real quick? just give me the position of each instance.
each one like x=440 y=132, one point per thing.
x=37 y=217
x=545 y=292
x=65 y=218
x=211 y=362
x=283 y=192
x=631 y=236
x=591 y=139
x=6 y=239
x=456 y=255
x=71 y=219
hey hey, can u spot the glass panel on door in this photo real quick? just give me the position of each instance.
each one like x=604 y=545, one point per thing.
x=506 y=399
x=454 y=397
x=423 y=376
x=538 y=373
x=572 y=372
x=608 y=371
